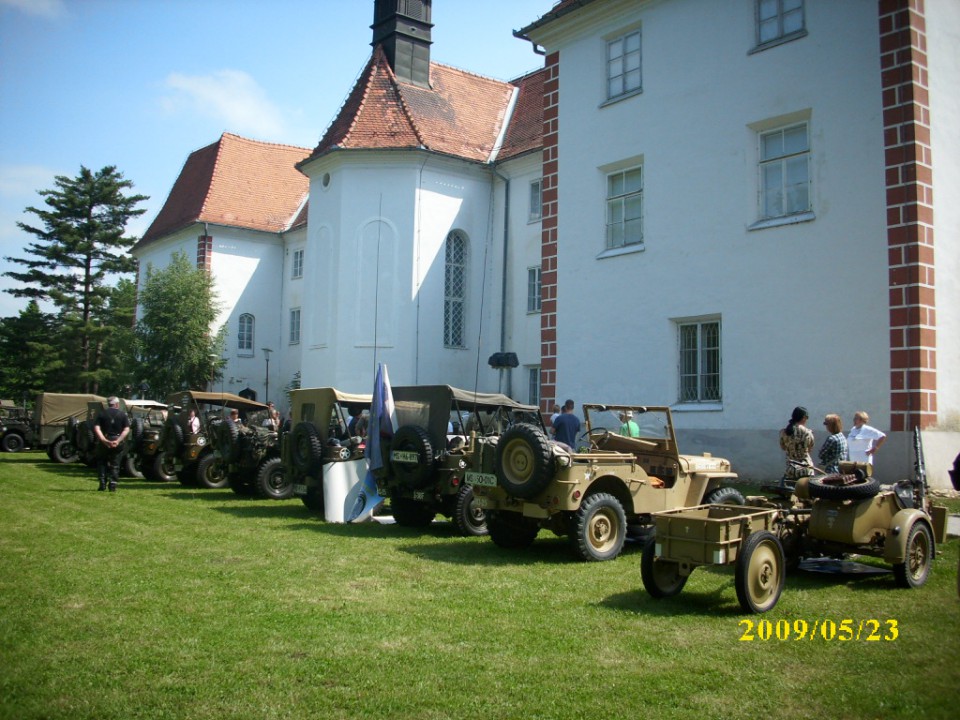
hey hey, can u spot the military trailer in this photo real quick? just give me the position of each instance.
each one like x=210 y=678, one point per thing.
x=51 y=414
x=319 y=449
x=15 y=431
x=434 y=454
x=600 y=492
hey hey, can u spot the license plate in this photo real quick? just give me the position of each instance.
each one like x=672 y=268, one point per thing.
x=481 y=502
x=405 y=456
x=481 y=479
x=299 y=489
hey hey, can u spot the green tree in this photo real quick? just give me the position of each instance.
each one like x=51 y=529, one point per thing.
x=118 y=367
x=174 y=339
x=80 y=245
x=32 y=362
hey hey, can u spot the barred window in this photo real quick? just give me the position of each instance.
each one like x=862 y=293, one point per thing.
x=534 y=287
x=455 y=290
x=699 y=361
x=245 y=334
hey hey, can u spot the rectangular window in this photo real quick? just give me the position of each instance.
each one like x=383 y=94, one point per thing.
x=623 y=65
x=295 y=326
x=784 y=171
x=533 y=385
x=536 y=201
x=534 y=287
x=297 y=264
x=699 y=361
x=779 y=20
x=625 y=208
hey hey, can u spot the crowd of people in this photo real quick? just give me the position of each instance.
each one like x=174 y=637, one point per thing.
x=796 y=440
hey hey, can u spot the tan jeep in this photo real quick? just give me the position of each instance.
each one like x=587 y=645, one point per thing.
x=625 y=469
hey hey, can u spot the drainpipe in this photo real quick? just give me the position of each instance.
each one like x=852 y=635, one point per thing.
x=503 y=278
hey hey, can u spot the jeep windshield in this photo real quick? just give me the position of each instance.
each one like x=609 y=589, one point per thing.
x=635 y=421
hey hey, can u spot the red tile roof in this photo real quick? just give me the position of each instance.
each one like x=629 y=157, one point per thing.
x=461 y=114
x=525 y=132
x=236 y=182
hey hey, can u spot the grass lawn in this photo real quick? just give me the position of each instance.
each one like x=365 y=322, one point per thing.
x=167 y=602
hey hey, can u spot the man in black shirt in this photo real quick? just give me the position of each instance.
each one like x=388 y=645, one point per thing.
x=111 y=428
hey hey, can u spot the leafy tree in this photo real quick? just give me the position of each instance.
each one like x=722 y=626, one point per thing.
x=80 y=244
x=118 y=365
x=32 y=361
x=174 y=342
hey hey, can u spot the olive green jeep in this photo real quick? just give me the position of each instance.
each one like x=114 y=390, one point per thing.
x=52 y=413
x=84 y=439
x=146 y=426
x=15 y=431
x=627 y=468
x=434 y=455
x=319 y=448
x=249 y=454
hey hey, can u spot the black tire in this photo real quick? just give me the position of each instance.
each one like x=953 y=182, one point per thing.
x=599 y=528
x=760 y=572
x=163 y=469
x=188 y=475
x=211 y=472
x=861 y=490
x=724 y=496
x=313 y=500
x=128 y=465
x=524 y=461
x=136 y=430
x=172 y=436
x=306 y=450
x=228 y=440
x=272 y=481
x=471 y=521
x=241 y=485
x=63 y=451
x=915 y=569
x=413 y=438
x=12 y=442
x=661 y=578
x=511 y=530
x=412 y=513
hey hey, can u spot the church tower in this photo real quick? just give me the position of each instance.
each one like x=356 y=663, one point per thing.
x=403 y=27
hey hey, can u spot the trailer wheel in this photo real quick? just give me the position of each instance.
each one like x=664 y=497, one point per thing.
x=760 y=573
x=661 y=578
x=914 y=570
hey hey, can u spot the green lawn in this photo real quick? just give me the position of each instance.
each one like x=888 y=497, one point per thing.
x=166 y=602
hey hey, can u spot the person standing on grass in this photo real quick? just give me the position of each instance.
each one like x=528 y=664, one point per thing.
x=111 y=428
x=567 y=426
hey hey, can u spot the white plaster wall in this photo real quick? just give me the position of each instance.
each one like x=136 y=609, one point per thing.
x=943 y=53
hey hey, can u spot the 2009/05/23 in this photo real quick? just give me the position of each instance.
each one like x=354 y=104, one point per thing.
x=846 y=630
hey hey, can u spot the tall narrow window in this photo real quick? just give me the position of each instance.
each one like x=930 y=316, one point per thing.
x=533 y=385
x=699 y=361
x=625 y=208
x=455 y=290
x=297 y=271
x=245 y=335
x=623 y=65
x=784 y=171
x=534 y=287
x=294 y=326
x=536 y=201
x=779 y=20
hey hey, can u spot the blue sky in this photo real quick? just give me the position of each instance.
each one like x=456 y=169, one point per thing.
x=140 y=84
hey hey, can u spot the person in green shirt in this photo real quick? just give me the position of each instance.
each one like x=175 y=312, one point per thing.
x=629 y=427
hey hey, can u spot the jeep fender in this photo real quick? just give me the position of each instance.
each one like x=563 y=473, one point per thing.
x=895 y=548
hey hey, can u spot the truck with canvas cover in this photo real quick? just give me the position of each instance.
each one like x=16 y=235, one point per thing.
x=52 y=413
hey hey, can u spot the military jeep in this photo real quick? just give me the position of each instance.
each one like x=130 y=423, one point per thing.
x=433 y=457
x=146 y=426
x=15 y=431
x=602 y=492
x=249 y=454
x=84 y=439
x=319 y=446
x=194 y=460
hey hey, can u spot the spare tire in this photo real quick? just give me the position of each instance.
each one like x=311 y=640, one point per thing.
x=228 y=440
x=417 y=473
x=863 y=488
x=524 y=463
x=306 y=450
x=136 y=430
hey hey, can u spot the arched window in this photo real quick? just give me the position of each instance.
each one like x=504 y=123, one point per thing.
x=455 y=290
x=245 y=335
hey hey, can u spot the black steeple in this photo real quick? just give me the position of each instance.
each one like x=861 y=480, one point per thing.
x=403 y=28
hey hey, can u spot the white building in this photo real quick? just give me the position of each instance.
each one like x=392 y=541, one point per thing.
x=745 y=207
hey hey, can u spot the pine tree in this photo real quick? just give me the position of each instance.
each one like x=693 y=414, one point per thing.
x=80 y=246
x=32 y=363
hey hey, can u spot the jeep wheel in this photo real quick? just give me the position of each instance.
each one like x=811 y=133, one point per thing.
x=414 y=475
x=188 y=475
x=13 y=442
x=314 y=500
x=724 y=496
x=862 y=489
x=306 y=450
x=470 y=520
x=760 y=572
x=511 y=530
x=240 y=485
x=272 y=482
x=63 y=451
x=163 y=468
x=661 y=578
x=914 y=570
x=412 y=513
x=524 y=462
x=599 y=528
x=211 y=472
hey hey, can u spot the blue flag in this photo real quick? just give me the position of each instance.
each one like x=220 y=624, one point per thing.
x=382 y=420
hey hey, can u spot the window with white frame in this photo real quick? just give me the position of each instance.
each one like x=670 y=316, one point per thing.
x=779 y=21
x=534 y=287
x=245 y=334
x=699 y=361
x=536 y=201
x=623 y=65
x=784 y=171
x=455 y=290
x=533 y=385
x=294 y=326
x=297 y=271
x=625 y=208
